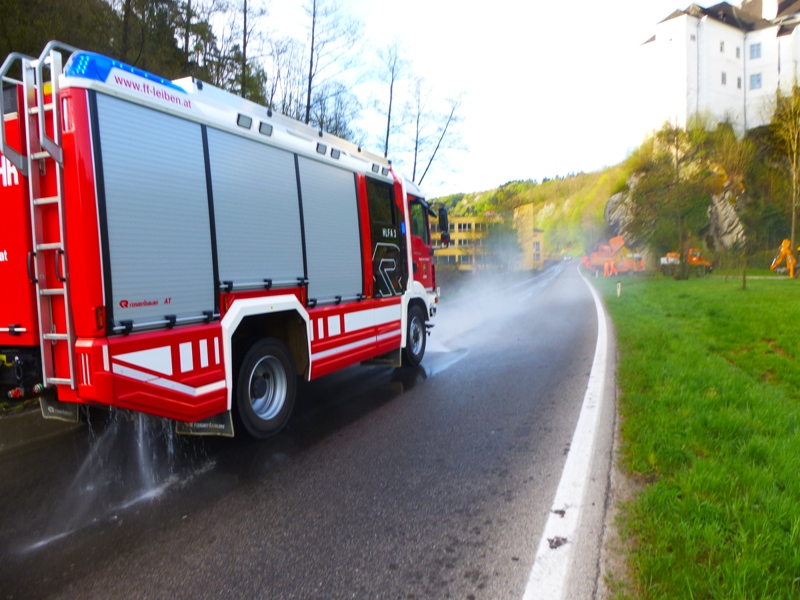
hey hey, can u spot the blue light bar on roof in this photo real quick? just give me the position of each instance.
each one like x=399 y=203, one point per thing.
x=89 y=65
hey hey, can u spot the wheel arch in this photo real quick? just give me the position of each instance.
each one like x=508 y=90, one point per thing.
x=412 y=302
x=279 y=317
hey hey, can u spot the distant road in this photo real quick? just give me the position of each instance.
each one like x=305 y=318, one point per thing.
x=428 y=483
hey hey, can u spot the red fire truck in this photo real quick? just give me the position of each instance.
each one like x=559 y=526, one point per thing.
x=170 y=248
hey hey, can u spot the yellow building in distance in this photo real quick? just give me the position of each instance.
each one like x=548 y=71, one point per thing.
x=468 y=250
x=467 y=238
x=531 y=239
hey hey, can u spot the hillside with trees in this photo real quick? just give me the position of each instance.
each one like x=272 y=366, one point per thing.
x=570 y=209
x=701 y=186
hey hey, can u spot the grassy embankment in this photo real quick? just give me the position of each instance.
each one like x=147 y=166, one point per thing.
x=710 y=411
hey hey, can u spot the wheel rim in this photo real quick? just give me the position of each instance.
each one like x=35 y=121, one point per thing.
x=416 y=333
x=267 y=388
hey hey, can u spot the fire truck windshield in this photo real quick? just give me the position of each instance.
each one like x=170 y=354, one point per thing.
x=419 y=222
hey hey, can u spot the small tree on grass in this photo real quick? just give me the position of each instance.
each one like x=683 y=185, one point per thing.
x=785 y=129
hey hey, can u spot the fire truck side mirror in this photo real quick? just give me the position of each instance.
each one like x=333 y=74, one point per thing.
x=444 y=226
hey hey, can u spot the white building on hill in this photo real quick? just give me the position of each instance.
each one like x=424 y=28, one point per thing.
x=725 y=61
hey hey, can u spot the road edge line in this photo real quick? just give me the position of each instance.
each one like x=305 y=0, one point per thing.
x=550 y=568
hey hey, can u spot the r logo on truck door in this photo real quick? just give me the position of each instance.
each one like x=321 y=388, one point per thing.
x=8 y=173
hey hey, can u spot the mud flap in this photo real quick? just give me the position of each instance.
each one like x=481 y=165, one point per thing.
x=221 y=424
x=59 y=411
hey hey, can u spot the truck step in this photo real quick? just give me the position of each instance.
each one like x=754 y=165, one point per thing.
x=51 y=246
x=47 y=200
x=55 y=337
x=53 y=292
x=35 y=110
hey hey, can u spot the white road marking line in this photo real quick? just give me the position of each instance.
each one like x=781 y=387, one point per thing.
x=551 y=567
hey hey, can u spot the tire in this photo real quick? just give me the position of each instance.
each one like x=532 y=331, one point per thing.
x=416 y=337
x=266 y=385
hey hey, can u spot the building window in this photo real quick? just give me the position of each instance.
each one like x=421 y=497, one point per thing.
x=755 y=50
x=724 y=78
x=537 y=257
x=464 y=243
x=722 y=46
x=738 y=52
x=462 y=227
x=537 y=246
x=738 y=83
x=465 y=259
x=693 y=37
x=755 y=81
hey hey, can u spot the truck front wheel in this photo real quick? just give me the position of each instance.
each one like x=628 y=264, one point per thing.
x=265 y=388
x=415 y=337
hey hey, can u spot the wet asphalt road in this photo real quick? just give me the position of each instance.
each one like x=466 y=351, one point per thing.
x=427 y=483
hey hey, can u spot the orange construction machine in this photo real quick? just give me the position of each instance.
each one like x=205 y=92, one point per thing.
x=614 y=258
x=784 y=254
x=670 y=264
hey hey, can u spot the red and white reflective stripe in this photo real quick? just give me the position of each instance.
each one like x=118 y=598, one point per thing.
x=354 y=321
x=370 y=318
x=151 y=364
x=86 y=371
x=168 y=383
x=152 y=359
x=354 y=345
x=342 y=349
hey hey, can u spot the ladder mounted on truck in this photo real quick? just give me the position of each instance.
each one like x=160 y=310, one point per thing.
x=42 y=152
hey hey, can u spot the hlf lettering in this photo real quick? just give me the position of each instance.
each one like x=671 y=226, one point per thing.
x=8 y=172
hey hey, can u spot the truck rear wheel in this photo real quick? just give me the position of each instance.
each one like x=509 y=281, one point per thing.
x=415 y=337
x=265 y=388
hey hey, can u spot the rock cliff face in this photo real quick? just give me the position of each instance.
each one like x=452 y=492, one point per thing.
x=617 y=213
x=724 y=226
x=724 y=231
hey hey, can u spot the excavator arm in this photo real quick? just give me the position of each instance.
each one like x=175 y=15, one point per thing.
x=785 y=254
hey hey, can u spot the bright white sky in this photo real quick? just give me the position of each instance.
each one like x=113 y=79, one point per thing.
x=550 y=88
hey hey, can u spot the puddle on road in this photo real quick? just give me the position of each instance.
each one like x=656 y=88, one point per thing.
x=438 y=358
x=134 y=458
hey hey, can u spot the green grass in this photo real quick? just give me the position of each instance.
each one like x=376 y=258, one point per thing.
x=9 y=407
x=711 y=423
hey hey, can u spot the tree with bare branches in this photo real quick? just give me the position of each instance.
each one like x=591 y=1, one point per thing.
x=432 y=131
x=334 y=37
x=393 y=69
x=785 y=130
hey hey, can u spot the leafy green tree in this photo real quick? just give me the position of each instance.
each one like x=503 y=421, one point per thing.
x=670 y=199
x=785 y=129
x=27 y=25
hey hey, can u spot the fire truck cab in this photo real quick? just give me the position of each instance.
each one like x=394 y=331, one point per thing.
x=173 y=249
